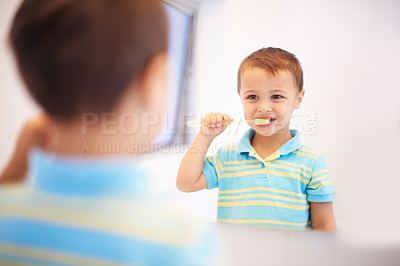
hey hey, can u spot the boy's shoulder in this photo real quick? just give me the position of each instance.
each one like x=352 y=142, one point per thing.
x=308 y=157
x=305 y=150
x=224 y=152
x=230 y=147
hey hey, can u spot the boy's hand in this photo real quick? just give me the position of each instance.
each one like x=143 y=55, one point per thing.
x=190 y=175
x=33 y=134
x=214 y=124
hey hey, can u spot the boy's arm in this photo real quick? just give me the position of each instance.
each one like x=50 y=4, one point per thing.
x=32 y=134
x=190 y=175
x=322 y=217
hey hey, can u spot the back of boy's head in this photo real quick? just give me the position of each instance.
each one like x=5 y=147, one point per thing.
x=81 y=55
x=273 y=60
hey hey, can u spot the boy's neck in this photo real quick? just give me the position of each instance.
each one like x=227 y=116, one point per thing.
x=68 y=139
x=266 y=145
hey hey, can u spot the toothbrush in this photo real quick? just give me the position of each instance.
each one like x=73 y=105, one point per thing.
x=257 y=122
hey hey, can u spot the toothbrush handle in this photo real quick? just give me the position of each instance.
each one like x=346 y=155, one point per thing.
x=194 y=123
x=199 y=123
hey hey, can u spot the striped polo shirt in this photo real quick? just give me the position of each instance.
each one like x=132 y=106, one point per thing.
x=270 y=192
x=81 y=211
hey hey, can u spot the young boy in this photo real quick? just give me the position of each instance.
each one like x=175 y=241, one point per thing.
x=269 y=178
x=93 y=66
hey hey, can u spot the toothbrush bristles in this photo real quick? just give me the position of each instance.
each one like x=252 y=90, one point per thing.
x=260 y=121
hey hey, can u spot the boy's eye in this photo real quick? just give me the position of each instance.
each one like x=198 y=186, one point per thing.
x=252 y=97
x=277 y=97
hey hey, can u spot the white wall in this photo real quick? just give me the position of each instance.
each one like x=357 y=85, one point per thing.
x=348 y=51
x=350 y=57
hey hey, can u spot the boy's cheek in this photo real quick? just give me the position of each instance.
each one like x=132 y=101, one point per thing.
x=246 y=110
x=247 y=115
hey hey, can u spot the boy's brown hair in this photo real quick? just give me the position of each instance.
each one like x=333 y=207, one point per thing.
x=273 y=60
x=81 y=55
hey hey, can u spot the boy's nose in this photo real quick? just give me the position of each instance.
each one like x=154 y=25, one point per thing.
x=264 y=107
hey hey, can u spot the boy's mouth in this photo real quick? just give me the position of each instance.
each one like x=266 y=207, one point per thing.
x=263 y=121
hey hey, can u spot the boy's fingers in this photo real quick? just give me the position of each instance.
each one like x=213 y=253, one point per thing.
x=213 y=120
x=216 y=120
x=219 y=119
x=206 y=120
x=226 y=119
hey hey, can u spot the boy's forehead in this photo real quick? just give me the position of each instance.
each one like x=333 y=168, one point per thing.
x=256 y=78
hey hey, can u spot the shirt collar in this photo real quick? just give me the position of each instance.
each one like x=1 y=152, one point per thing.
x=86 y=176
x=293 y=144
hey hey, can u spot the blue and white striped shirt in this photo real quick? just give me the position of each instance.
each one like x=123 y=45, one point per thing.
x=81 y=211
x=271 y=192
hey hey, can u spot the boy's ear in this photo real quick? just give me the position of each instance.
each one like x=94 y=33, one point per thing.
x=240 y=96
x=299 y=99
x=153 y=82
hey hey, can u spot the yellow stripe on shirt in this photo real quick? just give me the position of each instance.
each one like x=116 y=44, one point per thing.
x=262 y=195
x=241 y=162
x=290 y=168
x=319 y=178
x=319 y=172
x=285 y=228
x=243 y=173
x=293 y=164
x=305 y=154
x=308 y=151
x=241 y=167
x=82 y=220
x=262 y=189
x=322 y=183
x=259 y=221
x=54 y=256
x=216 y=167
x=220 y=165
x=290 y=175
x=262 y=203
